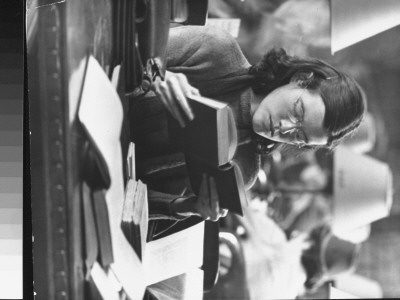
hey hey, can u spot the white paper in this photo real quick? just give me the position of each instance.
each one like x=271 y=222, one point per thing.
x=101 y=113
x=115 y=76
x=335 y=293
x=104 y=285
x=74 y=88
x=144 y=215
x=187 y=286
x=175 y=254
x=193 y=287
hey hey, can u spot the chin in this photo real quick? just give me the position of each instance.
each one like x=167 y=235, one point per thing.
x=264 y=134
x=267 y=135
x=277 y=140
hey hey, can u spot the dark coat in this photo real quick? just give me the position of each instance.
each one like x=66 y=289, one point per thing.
x=213 y=63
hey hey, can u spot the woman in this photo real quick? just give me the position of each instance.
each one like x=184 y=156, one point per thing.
x=280 y=101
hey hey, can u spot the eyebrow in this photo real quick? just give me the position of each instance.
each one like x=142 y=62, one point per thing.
x=306 y=139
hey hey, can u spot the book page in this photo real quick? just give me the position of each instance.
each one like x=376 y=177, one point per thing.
x=187 y=286
x=193 y=289
x=141 y=212
x=104 y=285
x=174 y=255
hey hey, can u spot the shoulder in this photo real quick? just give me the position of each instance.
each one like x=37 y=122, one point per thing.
x=208 y=41
x=201 y=34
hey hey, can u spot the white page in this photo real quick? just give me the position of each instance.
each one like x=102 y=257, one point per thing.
x=335 y=293
x=144 y=214
x=193 y=289
x=187 y=286
x=100 y=278
x=115 y=76
x=175 y=254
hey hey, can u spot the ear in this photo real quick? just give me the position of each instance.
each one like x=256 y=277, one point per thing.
x=302 y=79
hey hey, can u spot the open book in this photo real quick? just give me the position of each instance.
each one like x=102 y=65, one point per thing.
x=209 y=143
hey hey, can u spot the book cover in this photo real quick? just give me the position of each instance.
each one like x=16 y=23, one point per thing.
x=228 y=179
x=211 y=137
x=209 y=143
x=106 y=255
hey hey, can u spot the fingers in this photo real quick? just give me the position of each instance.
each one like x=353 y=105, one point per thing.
x=168 y=98
x=181 y=89
x=173 y=93
x=214 y=203
x=163 y=99
x=223 y=212
x=195 y=91
x=207 y=205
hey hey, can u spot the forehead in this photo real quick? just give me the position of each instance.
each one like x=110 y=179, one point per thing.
x=314 y=114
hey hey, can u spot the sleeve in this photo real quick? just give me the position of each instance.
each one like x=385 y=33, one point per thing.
x=160 y=205
x=203 y=53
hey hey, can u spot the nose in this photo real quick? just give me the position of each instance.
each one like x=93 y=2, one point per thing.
x=286 y=126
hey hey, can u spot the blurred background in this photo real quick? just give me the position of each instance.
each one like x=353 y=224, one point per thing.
x=309 y=28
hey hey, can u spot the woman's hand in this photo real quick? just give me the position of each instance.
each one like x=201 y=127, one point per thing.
x=173 y=92
x=205 y=205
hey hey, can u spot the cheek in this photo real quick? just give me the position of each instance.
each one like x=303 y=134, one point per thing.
x=260 y=114
x=277 y=108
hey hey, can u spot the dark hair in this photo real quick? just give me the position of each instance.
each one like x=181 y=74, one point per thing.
x=343 y=98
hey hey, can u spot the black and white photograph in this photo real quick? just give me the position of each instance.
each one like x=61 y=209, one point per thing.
x=202 y=149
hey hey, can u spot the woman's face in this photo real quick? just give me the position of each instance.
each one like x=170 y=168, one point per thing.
x=292 y=115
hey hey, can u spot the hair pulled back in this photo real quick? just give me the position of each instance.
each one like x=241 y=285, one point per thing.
x=343 y=98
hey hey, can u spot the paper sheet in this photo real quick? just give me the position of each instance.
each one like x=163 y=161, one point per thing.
x=187 y=286
x=175 y=254
x=193 y=289
x=100 y=278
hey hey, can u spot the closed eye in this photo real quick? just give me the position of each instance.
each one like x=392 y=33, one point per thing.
x=298 y=109
x=298 y=115
x=293 y=118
